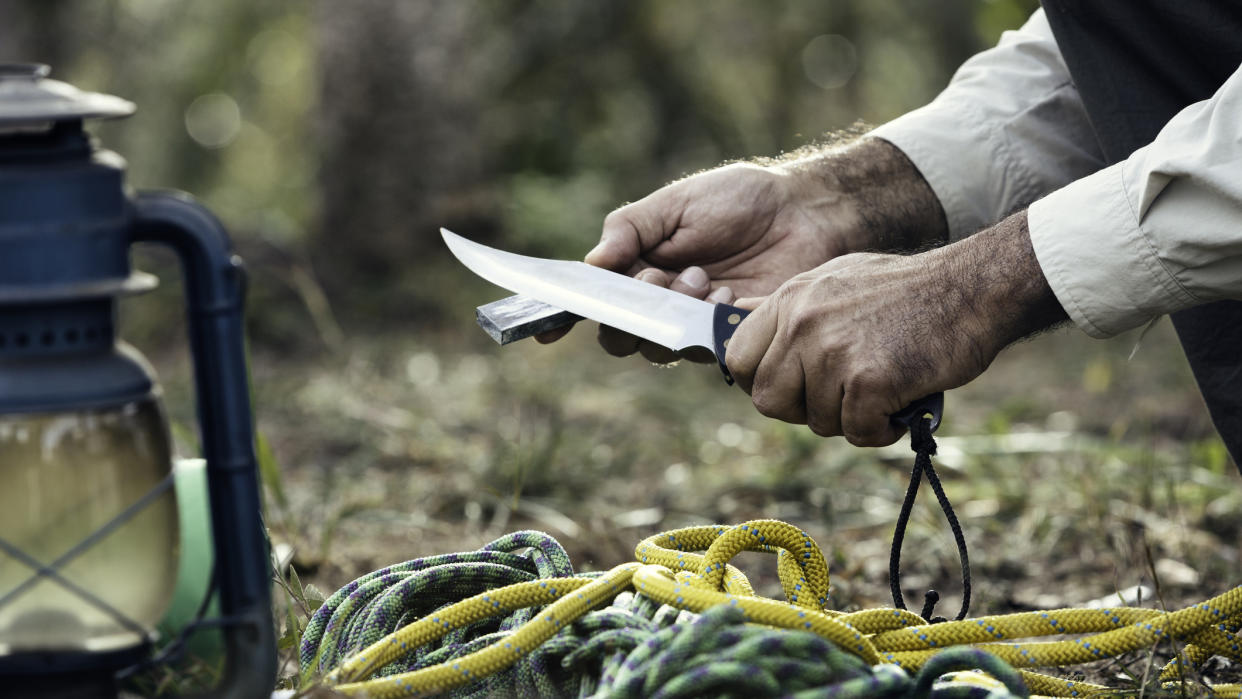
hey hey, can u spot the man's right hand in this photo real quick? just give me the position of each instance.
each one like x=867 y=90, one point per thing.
x=742 y=230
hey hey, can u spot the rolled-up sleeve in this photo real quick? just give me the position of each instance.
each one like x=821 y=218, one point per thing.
x=1155 y=233
x=1008 y=129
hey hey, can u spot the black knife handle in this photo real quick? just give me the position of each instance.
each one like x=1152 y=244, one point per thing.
x=927 y=405
x=724 y=323
x=727 y=318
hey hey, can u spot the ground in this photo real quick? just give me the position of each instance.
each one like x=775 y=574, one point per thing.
x=1077 y=470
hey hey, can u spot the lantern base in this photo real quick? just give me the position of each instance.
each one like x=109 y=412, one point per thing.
x=85 y=685
x=67 y=675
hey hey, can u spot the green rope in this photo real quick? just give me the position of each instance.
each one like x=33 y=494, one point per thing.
x=632 y=648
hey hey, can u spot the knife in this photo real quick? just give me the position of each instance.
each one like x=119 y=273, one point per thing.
x=654 y=313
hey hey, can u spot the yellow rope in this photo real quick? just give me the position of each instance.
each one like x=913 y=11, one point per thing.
x=671 y=571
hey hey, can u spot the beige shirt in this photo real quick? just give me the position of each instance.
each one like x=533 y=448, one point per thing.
x=1119 y=245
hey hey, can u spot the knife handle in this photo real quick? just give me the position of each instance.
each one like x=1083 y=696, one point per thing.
x=725 y=321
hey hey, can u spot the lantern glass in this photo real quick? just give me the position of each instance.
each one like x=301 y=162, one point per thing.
x=63 y=476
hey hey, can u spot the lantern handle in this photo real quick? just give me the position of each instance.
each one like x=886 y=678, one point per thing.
x=214 y=281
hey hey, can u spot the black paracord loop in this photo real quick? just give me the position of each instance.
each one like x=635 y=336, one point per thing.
x=924 y=446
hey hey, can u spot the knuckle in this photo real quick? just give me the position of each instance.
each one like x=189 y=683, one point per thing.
x=801 y=324
x=769 y=404
x=866 y=439
x=765 y=403
x=822 y=427
x=617 y=217
x=866 y=381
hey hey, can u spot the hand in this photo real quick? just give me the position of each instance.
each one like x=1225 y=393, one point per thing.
x=745 y=229
x=732 y=230
x=842 y=347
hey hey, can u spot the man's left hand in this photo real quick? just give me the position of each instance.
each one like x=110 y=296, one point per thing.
x=845 y=345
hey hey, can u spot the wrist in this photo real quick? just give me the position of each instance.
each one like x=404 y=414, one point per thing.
x=1002 y=284
x=872 y=192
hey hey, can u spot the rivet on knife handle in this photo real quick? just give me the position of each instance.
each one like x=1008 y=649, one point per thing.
x=725 y=320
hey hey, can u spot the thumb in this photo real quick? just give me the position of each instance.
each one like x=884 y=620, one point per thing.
x=615 y=251
x=624 y=237
x=748 y=346
x=635 y=229
x=750 y=303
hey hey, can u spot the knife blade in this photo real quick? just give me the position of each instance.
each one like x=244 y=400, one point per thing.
x=652 y=312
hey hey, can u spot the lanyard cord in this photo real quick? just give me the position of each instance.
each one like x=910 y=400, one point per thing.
x=924 y=446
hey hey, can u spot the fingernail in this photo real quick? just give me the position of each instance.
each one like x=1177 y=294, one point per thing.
x=694 y=277
x=722 y=295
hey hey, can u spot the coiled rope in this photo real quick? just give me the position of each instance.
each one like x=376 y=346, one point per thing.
x=514 y=619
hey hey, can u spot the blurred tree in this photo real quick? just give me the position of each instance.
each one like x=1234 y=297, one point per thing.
x=529 y=120
x=345 y=133
x=33 y=31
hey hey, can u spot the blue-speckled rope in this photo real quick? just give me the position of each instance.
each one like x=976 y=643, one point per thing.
x=633 y=648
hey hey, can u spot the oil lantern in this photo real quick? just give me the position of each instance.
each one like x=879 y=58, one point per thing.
x=88 y=516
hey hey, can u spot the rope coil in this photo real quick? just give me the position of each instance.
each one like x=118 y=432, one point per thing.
x=678 y=622
x=514 y=619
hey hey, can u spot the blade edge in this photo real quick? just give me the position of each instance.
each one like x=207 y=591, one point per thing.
x=517 y=273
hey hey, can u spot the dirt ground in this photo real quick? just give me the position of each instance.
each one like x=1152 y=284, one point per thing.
x=1077 y=469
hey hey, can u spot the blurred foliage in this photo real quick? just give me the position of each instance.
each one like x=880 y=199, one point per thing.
x=335 y=137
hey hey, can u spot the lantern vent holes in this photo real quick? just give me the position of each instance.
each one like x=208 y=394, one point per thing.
x=55 y=332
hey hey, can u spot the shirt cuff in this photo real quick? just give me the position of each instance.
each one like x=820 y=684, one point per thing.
x=1100 y=264
x=920 y=134
x=967 y=165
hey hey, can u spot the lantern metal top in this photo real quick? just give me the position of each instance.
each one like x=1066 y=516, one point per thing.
x=29 y=97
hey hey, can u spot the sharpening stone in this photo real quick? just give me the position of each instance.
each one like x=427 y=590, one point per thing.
x=517 y=317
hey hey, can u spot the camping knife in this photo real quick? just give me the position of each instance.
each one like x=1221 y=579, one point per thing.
x=652 y=312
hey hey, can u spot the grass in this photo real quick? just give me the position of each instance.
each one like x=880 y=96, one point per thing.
x=1077 y=470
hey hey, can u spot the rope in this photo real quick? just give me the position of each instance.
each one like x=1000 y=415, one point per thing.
x=514 y=619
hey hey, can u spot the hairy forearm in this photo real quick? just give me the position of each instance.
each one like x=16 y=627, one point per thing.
x=888 y=205
x=997 y=275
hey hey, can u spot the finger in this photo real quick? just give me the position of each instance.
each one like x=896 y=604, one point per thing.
x=749 y=303
x=550 y=336
x=779 y=389
x=653 y=275
x=692 y=281
x=615 y=342
x=721 y=294
x=623 y=344
x=749 y=343
x=823 y=400
x=865 y=410
x=698 y=355
x=703 y=355
x=633 y=229
x=657 y=354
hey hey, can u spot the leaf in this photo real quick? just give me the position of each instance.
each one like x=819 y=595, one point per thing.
x=314 y=598
x=269 y=470
x=295 y=586
x=293 y=631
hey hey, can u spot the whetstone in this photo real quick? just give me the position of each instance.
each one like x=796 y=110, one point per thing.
x=517 y=317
